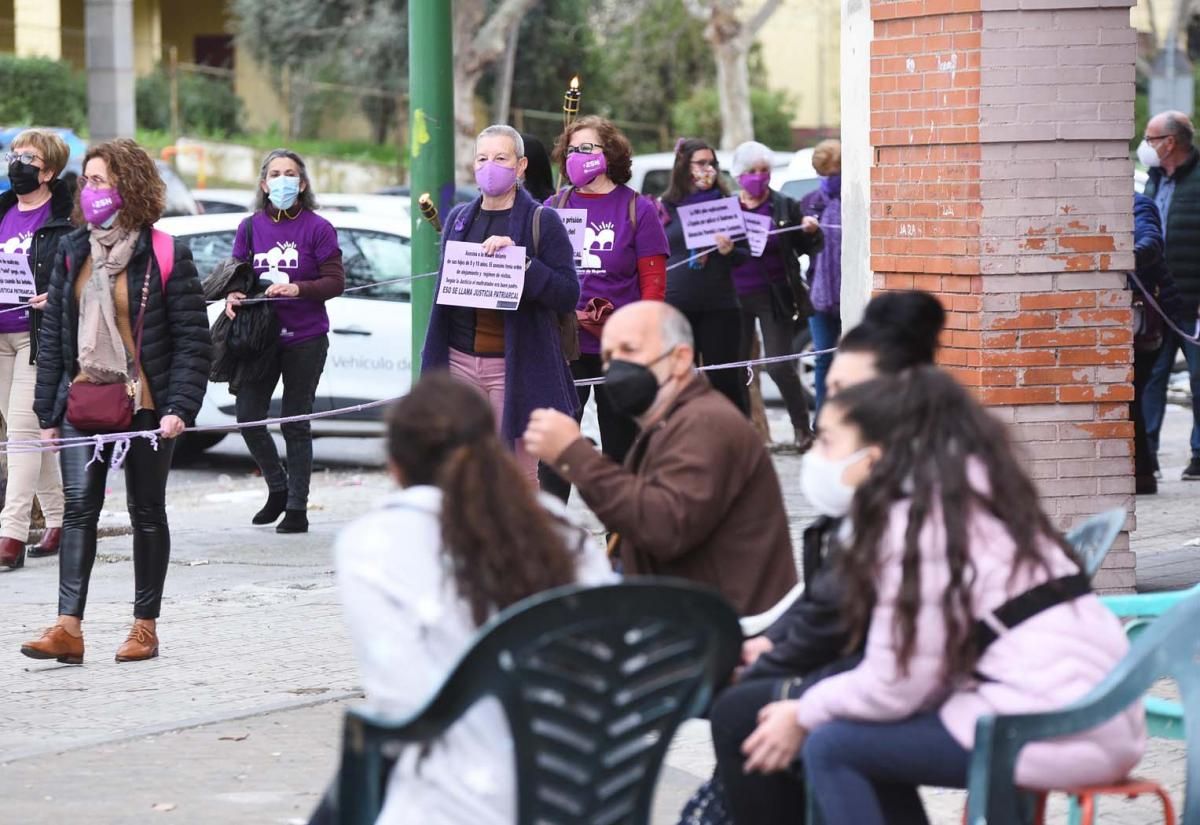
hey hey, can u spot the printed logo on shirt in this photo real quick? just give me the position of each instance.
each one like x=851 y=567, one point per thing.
x=17 y=243
x=284 y=255
x=597 y=237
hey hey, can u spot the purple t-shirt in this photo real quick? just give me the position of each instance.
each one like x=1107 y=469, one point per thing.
x=291 y=251
x=16 y=235
x=757 y=274
x=612 y=245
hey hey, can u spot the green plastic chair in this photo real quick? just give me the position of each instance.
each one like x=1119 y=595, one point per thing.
x=1094 y=538
x=1168 y=647
x=594 y=682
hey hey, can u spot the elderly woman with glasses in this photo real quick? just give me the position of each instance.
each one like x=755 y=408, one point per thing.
x=513 y=356
x=35 y=215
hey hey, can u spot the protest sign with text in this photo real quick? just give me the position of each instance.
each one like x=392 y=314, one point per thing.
x=16 y=280
x=702 y=222
x=758 y=228
x=472 y=278
x=575 y=220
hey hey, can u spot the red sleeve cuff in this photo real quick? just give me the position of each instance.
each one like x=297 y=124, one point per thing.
x=652 y=277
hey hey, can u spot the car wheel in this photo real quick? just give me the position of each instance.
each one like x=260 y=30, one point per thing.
x=193 y=445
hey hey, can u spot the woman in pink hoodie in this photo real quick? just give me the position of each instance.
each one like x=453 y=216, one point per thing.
x=945 y=528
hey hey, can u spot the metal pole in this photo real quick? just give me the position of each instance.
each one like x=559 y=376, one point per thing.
x=173 y=70
x=431 y=126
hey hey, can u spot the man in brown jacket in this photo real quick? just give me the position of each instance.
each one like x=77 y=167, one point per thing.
x=698 y=497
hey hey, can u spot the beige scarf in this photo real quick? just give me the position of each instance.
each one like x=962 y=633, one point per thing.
x=102 y=355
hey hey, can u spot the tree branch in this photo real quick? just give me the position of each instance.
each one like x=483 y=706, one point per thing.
x=761 y=17
x=493 y=37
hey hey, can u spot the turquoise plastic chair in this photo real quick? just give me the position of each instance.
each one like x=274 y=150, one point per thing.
x=1094 y=538
x=1168 y=647
x=594 y=682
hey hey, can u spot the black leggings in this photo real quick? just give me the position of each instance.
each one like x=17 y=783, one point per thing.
x=718 y=334
x=146 y=472
x=300 y=367
x=617 y=431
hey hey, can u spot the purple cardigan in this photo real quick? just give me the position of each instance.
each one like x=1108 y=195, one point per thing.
x=825 y=275
x=536 y=373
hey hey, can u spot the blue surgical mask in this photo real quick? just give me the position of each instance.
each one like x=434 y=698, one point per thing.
x=283 y=191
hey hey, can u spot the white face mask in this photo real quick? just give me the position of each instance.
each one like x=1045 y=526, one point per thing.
x=1148 y=156
x=821 y=482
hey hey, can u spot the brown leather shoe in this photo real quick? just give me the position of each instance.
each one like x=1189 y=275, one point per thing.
x=12 y=553
x=48 y=546
x=56 y=643
x=141 y=644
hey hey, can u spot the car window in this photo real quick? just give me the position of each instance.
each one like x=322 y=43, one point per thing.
x=209 y=249
x=220 y=207
x=797 y=189
x=373 y=258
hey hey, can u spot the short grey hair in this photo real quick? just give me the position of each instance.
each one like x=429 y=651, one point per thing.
x=750 y=154
x=503 y=130
x=675 y=328
x=1179 y=125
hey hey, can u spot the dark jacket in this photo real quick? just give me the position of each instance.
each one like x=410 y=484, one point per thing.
x=788 y=212
x=175 y=342
x=697 y=498
x=1183 y=230
x=1149 y=259
x=537 y=374
x=699 y=290
x=811 y=635
x=44 y=247
x=232 y=275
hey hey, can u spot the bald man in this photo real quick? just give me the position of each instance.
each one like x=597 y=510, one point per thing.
x=1167 y=149
x=697 y=496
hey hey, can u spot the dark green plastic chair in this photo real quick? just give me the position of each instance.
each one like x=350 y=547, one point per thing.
x=594 y=682
x=1094 y=538
x=1168 y=647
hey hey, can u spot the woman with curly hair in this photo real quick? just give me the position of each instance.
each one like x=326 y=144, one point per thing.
x=477 y=539
x=971 y=603
x=124 y=307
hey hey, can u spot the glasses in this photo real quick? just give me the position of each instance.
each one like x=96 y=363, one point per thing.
x=1152 y=138
x=705 y=164
x=95 y=181
x=21 y=157
x=585 y=149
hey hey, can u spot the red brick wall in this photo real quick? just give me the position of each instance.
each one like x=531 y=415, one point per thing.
x=1002 y=182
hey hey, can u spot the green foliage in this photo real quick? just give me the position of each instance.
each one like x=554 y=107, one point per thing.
x=207 y=105
x=42 y=92
x=699 y=115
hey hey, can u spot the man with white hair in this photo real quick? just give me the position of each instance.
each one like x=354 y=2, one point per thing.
x=697 y=497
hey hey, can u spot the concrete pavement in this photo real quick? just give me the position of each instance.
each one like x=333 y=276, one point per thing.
x=238 y=721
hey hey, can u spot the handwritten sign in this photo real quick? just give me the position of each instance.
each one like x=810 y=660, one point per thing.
x=757 y=229
x=472 y=278
x=16 y=281
x=575 y=220
x=702 y=222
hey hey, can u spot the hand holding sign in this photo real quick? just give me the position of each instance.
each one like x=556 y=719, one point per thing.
x=703 y=222
x=471 y=277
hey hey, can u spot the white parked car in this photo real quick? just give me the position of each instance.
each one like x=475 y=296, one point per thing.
x=370 y=330
x=243 y=200
x=798 y=178
x=652 y=173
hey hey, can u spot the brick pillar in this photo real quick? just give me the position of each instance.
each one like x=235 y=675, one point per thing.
x=1002 y=182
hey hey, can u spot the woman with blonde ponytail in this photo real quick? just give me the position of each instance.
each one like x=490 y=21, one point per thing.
x=465 y=537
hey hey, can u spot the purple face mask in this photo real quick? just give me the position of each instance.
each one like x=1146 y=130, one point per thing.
x=98 y=205
x=583 y=169
x=755 y=183
x=494 y=180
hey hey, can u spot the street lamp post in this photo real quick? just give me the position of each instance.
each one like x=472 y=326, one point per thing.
x=431 y=127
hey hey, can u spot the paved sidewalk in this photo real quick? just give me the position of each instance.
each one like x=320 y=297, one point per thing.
x=252 y=637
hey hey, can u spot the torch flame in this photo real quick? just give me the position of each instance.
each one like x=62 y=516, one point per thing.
x=575 y=83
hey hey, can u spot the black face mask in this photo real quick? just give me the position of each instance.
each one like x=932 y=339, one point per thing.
x=632 y=388
x=23 y=177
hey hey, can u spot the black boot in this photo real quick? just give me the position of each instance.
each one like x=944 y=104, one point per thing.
x=294 y=521
x=273 y=509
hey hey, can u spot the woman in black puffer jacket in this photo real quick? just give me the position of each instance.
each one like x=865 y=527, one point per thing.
x=102 y=276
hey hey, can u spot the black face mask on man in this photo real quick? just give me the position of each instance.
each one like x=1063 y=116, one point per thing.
x=632 y=388
x=23 y=177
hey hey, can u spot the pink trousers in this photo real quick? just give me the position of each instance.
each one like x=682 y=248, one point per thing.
x=488 y=375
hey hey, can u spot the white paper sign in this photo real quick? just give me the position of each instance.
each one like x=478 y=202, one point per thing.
x=472 y=278
x=575 y=220
x=702 y=222
x=16 y=281
x=757 y=229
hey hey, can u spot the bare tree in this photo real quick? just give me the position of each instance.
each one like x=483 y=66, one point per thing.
x=732 y=38
x=479 y=41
